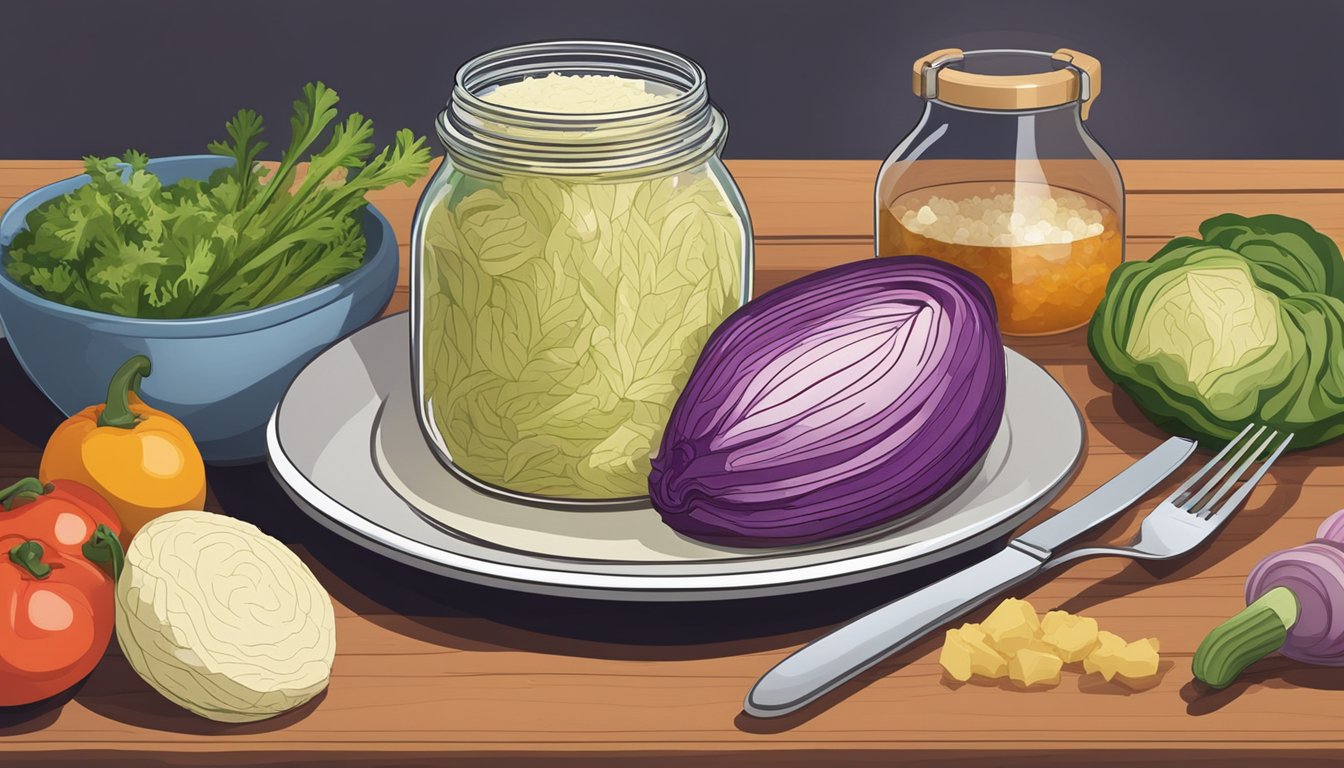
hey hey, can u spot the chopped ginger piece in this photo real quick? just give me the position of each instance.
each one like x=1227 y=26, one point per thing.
x=1109 y=640
x=1137 y=660
x=1038 y=645
x=966 y=652
x=1113 y=656
x=986 y=662
x=955 y=657
x=1101 y=660
x=1070 y=637
x=1011 y=626
x=1056 y=621
x=1029 y=667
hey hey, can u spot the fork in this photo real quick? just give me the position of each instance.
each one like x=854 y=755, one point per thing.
x=1190 y=516
x=1187 y=518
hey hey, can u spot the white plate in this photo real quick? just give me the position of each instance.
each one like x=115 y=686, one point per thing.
x=345 y=444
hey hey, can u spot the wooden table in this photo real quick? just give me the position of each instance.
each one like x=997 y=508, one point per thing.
x=430 y=669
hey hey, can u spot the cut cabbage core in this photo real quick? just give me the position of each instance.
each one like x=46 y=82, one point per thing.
x=1211 y=320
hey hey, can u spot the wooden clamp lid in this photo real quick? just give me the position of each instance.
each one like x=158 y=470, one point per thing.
x=1078 y=80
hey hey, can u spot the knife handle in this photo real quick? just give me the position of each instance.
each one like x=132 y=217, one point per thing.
x=826 y=663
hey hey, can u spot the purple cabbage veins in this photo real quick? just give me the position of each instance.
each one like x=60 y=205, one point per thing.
x=840 y=401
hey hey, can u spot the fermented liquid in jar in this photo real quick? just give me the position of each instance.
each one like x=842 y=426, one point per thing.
x=1000 y=177
x=1045 y=252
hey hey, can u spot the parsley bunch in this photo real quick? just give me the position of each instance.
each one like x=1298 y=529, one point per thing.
x=125 y=244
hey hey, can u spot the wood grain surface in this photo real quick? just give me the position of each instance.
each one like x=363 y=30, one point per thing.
x=430 y=669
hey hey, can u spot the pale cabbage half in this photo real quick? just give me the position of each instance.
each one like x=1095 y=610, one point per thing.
x=222 y=619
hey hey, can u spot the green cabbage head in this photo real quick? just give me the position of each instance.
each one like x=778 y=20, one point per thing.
x=1245 y=323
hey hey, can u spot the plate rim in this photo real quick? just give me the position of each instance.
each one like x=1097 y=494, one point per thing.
x=335 y=516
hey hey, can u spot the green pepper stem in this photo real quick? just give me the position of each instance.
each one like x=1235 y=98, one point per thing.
x=1259 y=630
x=22 y=492
x=104 y=547
x=117 y=411
x=28 y=556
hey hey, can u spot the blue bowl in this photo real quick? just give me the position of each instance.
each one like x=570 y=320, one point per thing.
x=221 y=376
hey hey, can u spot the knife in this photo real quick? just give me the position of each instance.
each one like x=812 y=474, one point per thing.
x=824 y=664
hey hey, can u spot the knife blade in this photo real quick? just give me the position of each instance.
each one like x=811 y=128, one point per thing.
x=1108 y=500
x=834 y=658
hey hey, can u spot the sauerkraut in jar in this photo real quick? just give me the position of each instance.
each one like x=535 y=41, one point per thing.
x=571 y=257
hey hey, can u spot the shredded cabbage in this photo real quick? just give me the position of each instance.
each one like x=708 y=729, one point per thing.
x=560 y=320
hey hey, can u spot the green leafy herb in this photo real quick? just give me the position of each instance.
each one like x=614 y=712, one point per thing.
x=127 y=245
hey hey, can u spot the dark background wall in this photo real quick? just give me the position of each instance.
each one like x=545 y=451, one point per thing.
x=797 y=78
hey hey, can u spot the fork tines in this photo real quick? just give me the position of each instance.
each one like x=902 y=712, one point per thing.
x=1201 y=502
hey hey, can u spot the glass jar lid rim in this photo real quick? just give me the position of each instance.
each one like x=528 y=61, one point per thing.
x=1073 y=77
x=530 y=59
x=678 y=132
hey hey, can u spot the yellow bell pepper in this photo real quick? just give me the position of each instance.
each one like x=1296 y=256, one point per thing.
x=142 y=460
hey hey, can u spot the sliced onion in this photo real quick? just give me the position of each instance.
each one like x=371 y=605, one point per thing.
x=1315 y=573
x=1332 y=529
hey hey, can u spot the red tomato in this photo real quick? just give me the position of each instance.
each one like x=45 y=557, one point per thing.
x=57 y=606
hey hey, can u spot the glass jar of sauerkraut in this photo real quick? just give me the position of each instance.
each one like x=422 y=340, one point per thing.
x=1001 y=177
x=570 y=258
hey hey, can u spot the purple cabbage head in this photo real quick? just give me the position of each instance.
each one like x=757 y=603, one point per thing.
x=832 y=404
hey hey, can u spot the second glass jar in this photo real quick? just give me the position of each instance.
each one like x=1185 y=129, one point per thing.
x=1001 y=177
x=568 y=267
